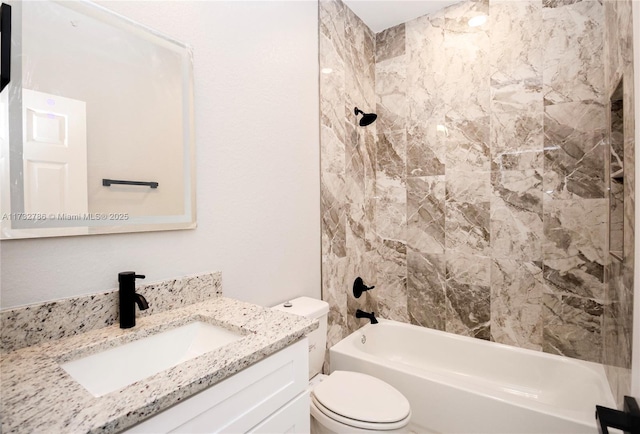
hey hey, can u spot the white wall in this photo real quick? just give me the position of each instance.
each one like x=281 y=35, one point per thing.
x=258 y=192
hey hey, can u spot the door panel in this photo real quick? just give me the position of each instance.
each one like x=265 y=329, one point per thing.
x=54 y=154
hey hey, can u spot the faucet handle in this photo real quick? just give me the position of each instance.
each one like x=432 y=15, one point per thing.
x=359 y=287
x=129 y=276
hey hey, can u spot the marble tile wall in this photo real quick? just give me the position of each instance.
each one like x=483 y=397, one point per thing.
x=348 y=187
x=484 y=209
x=617 y=313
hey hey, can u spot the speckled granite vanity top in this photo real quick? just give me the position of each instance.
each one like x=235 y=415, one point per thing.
x=39 y=396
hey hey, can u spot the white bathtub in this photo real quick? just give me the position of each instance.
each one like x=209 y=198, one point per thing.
x=457 y=384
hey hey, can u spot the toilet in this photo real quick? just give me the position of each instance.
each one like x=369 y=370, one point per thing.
x=345 y=401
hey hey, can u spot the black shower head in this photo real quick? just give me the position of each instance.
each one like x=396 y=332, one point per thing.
x=367 y=118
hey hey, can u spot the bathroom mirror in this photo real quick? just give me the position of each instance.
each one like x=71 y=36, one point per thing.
x=96 y=125
x=616 y=173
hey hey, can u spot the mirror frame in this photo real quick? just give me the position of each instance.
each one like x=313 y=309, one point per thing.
x=32 y=227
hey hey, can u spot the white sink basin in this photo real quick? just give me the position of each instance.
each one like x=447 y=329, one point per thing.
x=121 y=366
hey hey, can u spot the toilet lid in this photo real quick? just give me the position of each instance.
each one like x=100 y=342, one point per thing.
x=361 y=397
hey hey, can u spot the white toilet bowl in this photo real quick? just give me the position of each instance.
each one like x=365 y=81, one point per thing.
x=346 y=402
x=352 y=402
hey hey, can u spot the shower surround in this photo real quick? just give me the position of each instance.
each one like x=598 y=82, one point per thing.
x=476 y=203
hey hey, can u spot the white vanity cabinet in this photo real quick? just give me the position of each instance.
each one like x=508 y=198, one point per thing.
x=269 y=396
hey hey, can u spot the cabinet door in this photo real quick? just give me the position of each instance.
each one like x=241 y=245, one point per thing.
x=292 y=418
x=240 y=402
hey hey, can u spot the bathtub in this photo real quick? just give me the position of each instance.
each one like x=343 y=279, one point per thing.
x=457 y=384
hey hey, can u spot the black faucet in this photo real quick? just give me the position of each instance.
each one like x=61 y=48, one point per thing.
x=371 y=316
x=129 y=298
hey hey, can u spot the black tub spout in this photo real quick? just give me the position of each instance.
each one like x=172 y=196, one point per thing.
x=363 y=314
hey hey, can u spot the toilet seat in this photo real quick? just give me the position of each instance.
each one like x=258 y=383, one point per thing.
x=361 y=401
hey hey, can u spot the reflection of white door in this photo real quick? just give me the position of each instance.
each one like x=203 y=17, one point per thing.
x=54 y=154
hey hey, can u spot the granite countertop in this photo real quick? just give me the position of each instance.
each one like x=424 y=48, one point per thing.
x=39 y=396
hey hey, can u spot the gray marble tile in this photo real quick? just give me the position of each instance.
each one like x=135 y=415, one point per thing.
x=516 y=303
x=516 y=229
x=468 y=310
x=457 y=17
x=360 y=229
x=520 y=189
x=467 y=144
x=559 y=3
x=466 y=93
x=390 y=295
x=331 y=24
x=426 y=76
x=467 y=212
x=572 y=327
x=356 y=62
x=426 y=214
x=629 y=159
x=332 y=147
x=391 y=218
x=426 y=149
x=576 y=74
x=391 y=200
x=467 y=227
x=468 y=187
x=333 y=214
x=616 y=138
x=517 y=140
x=618 y=318
x=334 y=278
x=574 y=150
x=620 y=382
x=391 y=94
x=391 y=154
x=426 y=132
x=369 y=53
x=390 y=43
x=616 y=217
x=573 y=248
x=426 y=288
x=357 y=226
x=355 y=160
x=522 y=96
x=332 y=85
x=467 y=268
x=516 y=52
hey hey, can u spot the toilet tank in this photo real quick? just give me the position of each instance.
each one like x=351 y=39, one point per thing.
x=311 y=308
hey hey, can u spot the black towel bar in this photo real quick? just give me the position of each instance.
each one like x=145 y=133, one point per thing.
x=108 y=182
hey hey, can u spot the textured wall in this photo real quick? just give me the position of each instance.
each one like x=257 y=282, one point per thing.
x=489 y=206
x=618 y=311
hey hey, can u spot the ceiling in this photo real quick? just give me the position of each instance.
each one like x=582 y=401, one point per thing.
x=382 y=14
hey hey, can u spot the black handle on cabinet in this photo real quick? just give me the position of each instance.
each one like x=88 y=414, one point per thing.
x=5 y=45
